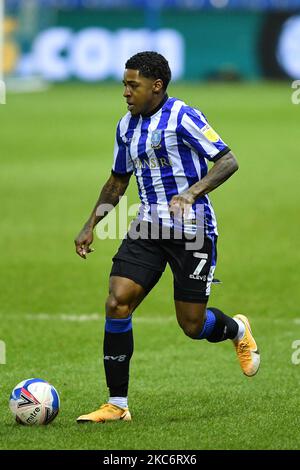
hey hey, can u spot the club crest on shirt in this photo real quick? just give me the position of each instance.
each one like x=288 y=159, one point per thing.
x=156 y=139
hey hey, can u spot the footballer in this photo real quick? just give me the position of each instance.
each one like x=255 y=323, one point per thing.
x=167 y=145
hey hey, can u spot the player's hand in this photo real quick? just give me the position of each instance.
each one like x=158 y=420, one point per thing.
x=83 y=242
x=180 y=204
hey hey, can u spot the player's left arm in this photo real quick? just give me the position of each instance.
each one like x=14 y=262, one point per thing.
x=194 y=131
x=222 y=169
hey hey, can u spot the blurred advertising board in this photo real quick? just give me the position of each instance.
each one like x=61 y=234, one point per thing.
x=93 y=45
x=280 y=46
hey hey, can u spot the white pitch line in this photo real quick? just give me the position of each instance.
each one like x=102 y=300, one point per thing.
x=90 y=317
x=62 y=317
x=87 y=317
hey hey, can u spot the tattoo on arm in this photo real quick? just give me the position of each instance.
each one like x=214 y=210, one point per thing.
x=220 y=172
x=110 y=195
x=113 y=189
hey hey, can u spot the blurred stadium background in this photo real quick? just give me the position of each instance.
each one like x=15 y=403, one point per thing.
x=236 y=61
x=89 y=40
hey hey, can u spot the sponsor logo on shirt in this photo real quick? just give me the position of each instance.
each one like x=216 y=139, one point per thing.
x=152 y=163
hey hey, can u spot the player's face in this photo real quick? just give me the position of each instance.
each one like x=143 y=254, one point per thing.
x=141 y=93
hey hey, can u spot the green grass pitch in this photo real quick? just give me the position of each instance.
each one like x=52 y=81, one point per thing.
x=56 y=152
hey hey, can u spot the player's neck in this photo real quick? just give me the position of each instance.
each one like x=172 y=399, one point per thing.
x=157 y=106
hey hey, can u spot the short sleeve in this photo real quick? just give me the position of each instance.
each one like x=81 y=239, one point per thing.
x=122 y=162
x=198 y=134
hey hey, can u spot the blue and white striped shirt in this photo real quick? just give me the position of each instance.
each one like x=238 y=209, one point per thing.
x=167 y=152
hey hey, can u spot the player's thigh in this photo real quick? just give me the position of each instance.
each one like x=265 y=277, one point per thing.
x=192 y=274
x=192 y=270
x=128 y=286
x=124 y=296
x=137 y=267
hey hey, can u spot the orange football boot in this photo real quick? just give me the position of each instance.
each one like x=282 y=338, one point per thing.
x=246 y=349
x=106 y=412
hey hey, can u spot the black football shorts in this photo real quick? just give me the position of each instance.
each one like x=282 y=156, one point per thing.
x=144 y=260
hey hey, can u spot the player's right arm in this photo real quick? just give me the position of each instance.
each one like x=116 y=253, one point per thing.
x=112 y=191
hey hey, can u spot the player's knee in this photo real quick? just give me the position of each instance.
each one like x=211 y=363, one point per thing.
x=117 y=306
x=192 y=329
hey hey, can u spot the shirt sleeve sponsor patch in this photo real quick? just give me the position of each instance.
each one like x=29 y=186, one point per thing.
x=210 y=134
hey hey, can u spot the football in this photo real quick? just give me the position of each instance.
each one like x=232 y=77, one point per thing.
x=34 y=401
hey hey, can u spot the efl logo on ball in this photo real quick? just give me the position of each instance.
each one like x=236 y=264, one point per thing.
x=34 y=401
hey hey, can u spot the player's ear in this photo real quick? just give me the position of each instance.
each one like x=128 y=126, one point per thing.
x=157 y=85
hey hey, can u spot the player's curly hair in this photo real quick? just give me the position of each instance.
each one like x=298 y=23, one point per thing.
x=151 y=65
